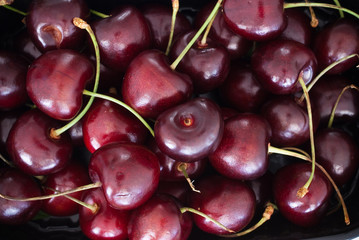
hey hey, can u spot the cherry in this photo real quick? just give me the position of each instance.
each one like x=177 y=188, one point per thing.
x=49 y=23
x=106 y=223
x=256 y=20
x=7 y=120
x=262 y=188
x=150 y=86
x=159 y=218
x=277 y=65
x=76 y=134
x=25 y=46
x=122 y=36
x=191 y=131
x=228 y=201
x=70 y=177
x=14 y=183
x=32 y=149
x=13 y=68
x=118 y=167
x=55 y=85
x=107 y=122
x=206 y=63
x=228 y=112
x=242 y=152
x=308 y=210
x=179 y=190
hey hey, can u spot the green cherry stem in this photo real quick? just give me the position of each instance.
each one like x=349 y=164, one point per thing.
x=337 y=3
x=200 y=31
x=99 y=14
x=14 y=10
x=98 y=95
x=175 y=7
x=205 y=35
x=78 y=22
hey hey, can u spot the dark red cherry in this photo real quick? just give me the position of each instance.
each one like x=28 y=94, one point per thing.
x=129 y=174
x=337 y=40
x=243 y=151
x=262 y=188
x=25 y=46
x=179 y=190
x=310 y=209
x=207 y=65
x=191 y=131
x=150 y=86
x=106 y=223
x=55 y=82
x=230 y=202
x=228 y=112
x=13 y=68
x=122 y=36
x=338 y=153
x=16 y=184
x=236 y=45
x=277 y=65
x=74 y=175
x=241 y=90
x=107 y=122
x=159 y=19
x=256 y=20
x=159 y=218
x=49 y=23
x=76 y=134
x=32 y=149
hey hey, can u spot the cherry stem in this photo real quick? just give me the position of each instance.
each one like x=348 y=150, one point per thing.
x=10 y=164
x=325 y=5
x=304 y=157
x=200 y=31
x=99 y=14
x=98 y=95
x=78 y=22
x=79 y=189
x=324 y=71
x=314 y=21
x=192 y=210
x=182 y=167
x=205 y=35
x=268 y=212
x=331 y=119
x=175 y=7
x=14 y=10
x=303 y=190
x=341 y=13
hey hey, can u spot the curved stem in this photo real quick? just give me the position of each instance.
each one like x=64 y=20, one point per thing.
x=98 y=95
x=314 y=21
x=192 y=210
x=10 y=164
x=78 y=22
x=337 y=3
x=205 y=35
x=200 y=31
x=175 y=7
x=182 y=167
x=99 y=14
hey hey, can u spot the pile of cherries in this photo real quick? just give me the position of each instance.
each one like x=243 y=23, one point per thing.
x=147 y=133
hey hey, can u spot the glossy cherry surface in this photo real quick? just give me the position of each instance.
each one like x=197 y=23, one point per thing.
x=159 y=218
x=310 y=209
x=15 y=183
x=191 y=131
x=277 y=65
x=129 y=174
x=7 y=120
x=49 y=23
x=32 y=149
x=150 y=86
x=25 y=46
x=230 y=202
x=256 y=20
x=55 y=86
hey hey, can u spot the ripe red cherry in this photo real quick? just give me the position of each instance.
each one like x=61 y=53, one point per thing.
x=25 y=46
x=7 y=120
x=55 y=86
x=129 y=174
x=256 y=20
x=49 y=23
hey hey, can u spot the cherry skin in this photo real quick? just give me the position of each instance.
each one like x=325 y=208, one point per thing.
x=230 y=202
x=15 y=183
x=13 y=68
x=49 y=24
x=107 y=122
x=277 y=65
x=129 y=174
x=74 y=175
x=262 y=188
x=306 y=211
x=159 y=218
x=55 y=86
x=32 y=149
x=150 y=86
x=257 y=20
x=243 y=151
x=122 y=36
x=106 y=223
x=179 y=190
x=207 y=65
x=25 y=46
x=191 y=131
x=338 y=153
